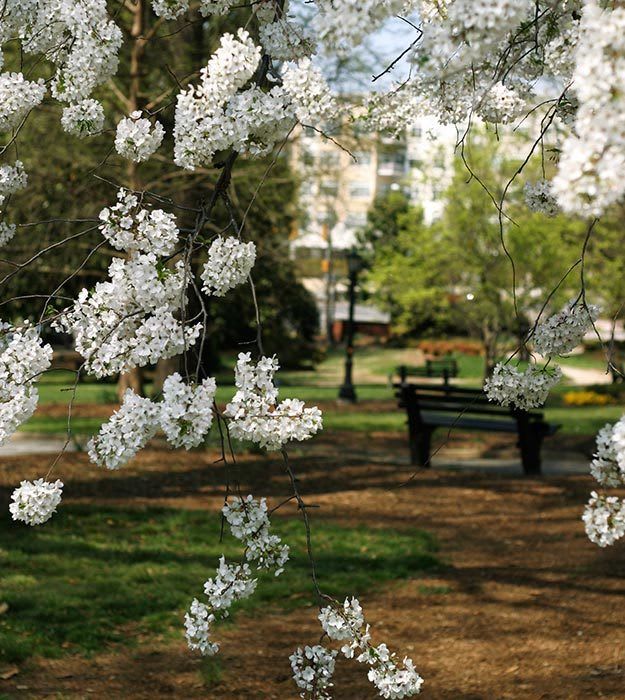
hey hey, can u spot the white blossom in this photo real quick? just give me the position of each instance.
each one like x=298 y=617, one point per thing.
x=23 y=357
x=129 y=321
x=232 y=582
x=170 y=9
x=311 y=97
x=186 y=411
x=229 y=264
x=608 y=463
x=198 y=621
x=84 y=118
x=255 y=413
x=313 y=668
x=604 y=519
x=129 y=226
x=501 y=104
x=395 y=681
x=538 y=197
x=564 y=331
x=200 y=128
x=249 y=522
x=590 y=172
x=35 y=502
x=508 y=386
x=136 y=138
x=216 y=7
x=7 y=231
x=17 y=97
x=347 y=624
x=12 y=179
x=285 y=40
x=125 y=433
x=16 y=409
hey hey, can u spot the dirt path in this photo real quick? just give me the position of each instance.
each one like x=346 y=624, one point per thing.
x=586 y=376
x=525 y=607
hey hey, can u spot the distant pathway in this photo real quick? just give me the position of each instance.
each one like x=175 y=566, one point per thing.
x=29 y=444
x=586 y=377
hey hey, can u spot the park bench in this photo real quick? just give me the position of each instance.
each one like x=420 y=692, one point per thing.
x=444 y=367
x=446 y=406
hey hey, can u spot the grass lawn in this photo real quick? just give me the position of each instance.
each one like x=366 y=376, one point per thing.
x=84 y=579
x=373 y=366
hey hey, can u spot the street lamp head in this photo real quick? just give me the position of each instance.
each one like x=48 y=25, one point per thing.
x=354 y=262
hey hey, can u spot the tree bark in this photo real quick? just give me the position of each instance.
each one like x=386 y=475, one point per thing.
x=133 y=378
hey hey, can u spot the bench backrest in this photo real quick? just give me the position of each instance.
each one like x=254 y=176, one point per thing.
x=457 y=400
x=445 y=367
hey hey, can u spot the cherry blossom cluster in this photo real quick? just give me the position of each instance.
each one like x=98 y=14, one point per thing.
x=343 y=25
x=35 y=502
x=608 y=464
x=186 y=411
x=136 y=138
x=125 y=433
x=285 y=40
x=509 y=386
x=604 y=516
x=12 y=179
x=219 y=114
x=170 y=9
x=232 y=582
x=501 y=104
x=229 y=264
x=17 y=97
x=604 y=519
x=539 y=197
x=309 y=92
x=255 y=413
x=128 y=226
x=23 y=357
x=130 y=320
x=184 y=414
x=83 y=118
x=218 y=7
x=313 y=668
x=7 y=231
x=564 y=331
x=201 y=127
x=392 y=678
x=77 y=36
x=589 y=176
x=249 y=523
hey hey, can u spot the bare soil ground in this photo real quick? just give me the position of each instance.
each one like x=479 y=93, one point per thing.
x=526 y=607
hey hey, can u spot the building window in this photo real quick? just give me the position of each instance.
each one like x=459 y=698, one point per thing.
x=328 y=159
x=362 y=158
x=329 y=188
x=359 y=190
x=356 y=220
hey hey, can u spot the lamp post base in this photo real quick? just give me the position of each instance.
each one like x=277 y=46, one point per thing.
x=347 y=393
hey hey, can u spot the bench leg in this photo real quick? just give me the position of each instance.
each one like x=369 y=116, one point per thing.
x=420 y=443
x=530 y=453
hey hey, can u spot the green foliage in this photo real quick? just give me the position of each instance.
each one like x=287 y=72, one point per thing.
x=457 y=273
x=79 y=582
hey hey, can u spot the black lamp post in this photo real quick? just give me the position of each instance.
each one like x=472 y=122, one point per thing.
x=347 y=392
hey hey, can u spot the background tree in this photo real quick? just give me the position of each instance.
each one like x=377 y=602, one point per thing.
x=456 y=275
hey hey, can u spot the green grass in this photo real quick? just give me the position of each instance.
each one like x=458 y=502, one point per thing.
x=583 y=420
x=91 y=574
